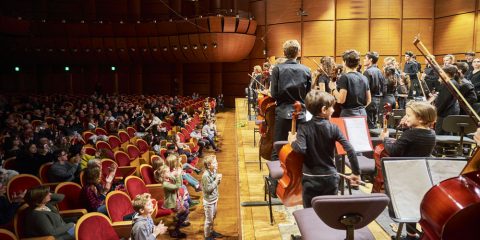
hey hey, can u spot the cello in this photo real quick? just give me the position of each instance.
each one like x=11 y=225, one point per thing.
x=379 y=153
x=289 y=188
x=266 y=106
x=451 y=209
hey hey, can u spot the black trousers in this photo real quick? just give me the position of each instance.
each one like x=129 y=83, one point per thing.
x=313 y=186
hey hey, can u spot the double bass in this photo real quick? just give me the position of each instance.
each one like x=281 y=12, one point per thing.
x=451 y=209
x=289 y=188
x=379 y=153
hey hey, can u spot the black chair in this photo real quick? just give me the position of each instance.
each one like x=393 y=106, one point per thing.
x=340 y=217
x=460 y=125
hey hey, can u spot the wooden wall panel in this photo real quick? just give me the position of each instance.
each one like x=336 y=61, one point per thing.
x=283 y=11
x=348 y=9
x=454 y=34
x=385 y=36
x=411 y=28
x=352 y=34
x=319 y=38
x=278 y=34
x=418 y=8
x=260 y=41
x=452 y=7
x=386 y=8
x=319 y=10
x=258 y=11
x=477 y=43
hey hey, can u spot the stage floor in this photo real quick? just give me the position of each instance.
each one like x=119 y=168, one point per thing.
x=255 y=221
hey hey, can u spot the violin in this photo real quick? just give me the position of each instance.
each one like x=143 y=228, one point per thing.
x=380 y=152
x=450 y=209
x=289 y=188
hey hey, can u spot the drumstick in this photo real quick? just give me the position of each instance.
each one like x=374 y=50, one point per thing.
x=360 y=182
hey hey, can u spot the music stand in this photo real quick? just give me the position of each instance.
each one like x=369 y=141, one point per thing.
x=355 y=130
x=408 y=179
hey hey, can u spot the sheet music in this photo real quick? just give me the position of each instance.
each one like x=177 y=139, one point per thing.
x=444 y=169
x=358 y=134
x=408 y=181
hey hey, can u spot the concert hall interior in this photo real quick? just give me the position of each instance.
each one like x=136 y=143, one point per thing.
x=239 y=119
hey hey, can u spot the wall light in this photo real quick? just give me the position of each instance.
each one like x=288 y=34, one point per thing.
x=214 y=45
x=185 y=47
x=195 y=47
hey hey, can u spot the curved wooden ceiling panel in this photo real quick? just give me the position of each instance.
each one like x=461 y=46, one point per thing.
x=179 y=41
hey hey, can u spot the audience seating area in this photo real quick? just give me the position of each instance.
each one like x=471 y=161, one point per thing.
x=121 y=131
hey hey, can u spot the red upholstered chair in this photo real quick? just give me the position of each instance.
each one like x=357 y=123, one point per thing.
x=71 y=205
x=153 y=158
x=21 y=183
x=122 y=158
x=86 y=135
x=124 y=138
x=7 y=235
x=146 y=171
x=131 y=132
x=102 y=145
x=144 y=148
x=135 y=156
x=122 y=171
x=90 y=151
x=9 y=164
x=136 y=185
x=44 y=171
x=95 y=226
x=119 y=204
x=114 y=142
x=18 y=225
x=101 y=131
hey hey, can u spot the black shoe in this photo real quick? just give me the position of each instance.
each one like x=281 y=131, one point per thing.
x=185 y=224
x=197 y=170
x=177 y=234
x=216 y=235
x=209 y=238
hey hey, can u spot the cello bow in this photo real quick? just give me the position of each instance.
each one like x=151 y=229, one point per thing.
x=474 y=162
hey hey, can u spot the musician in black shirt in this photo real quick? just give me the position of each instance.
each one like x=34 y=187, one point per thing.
x=290 y=82
x=430 y=76
x=316 y=141
x=376 y=83
x=476 y=75
x=445 y=102
x=351 y=90
x=466 y=87
x=411 y=69
x=469 y=56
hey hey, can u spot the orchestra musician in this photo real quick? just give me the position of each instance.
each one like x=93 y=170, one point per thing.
x=376 y=82
x=445 y=102
x=411 y=69
x=290 y=82
x=418 y=140
x=351 y=90
x=316 y=141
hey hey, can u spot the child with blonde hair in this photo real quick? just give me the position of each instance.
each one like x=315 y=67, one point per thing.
x=210 y=181
x=143 y=227
x=171 y=178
